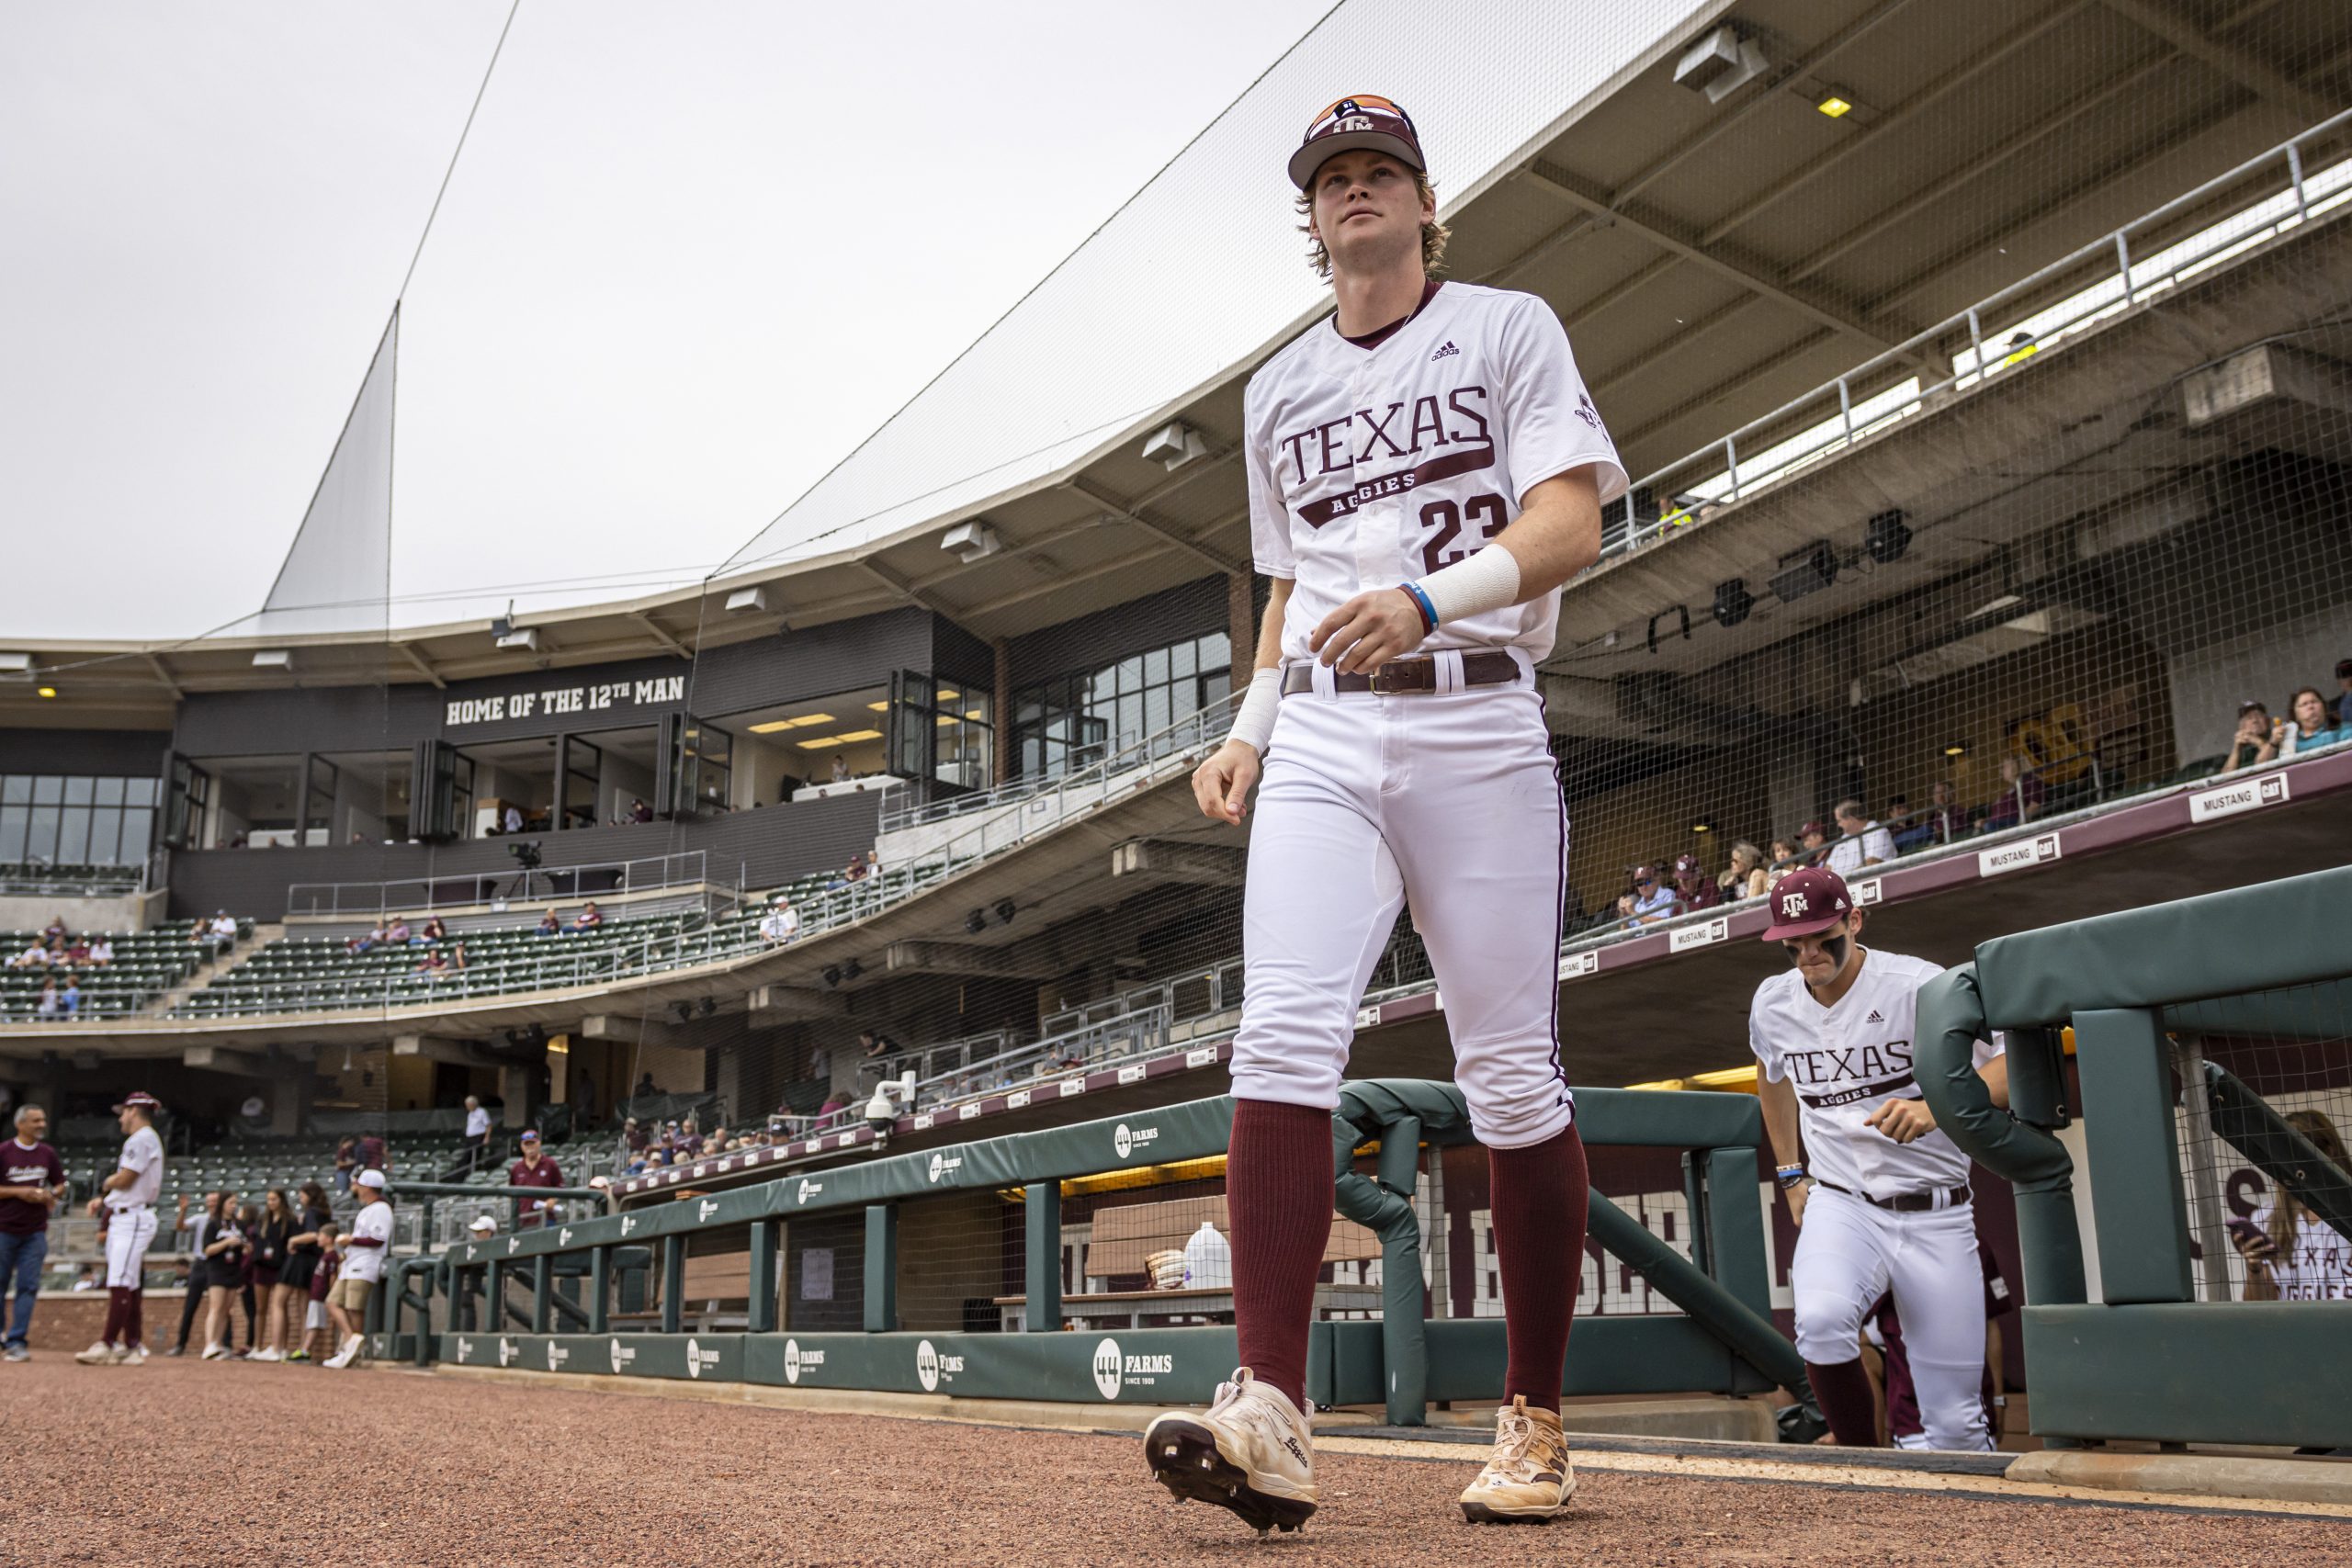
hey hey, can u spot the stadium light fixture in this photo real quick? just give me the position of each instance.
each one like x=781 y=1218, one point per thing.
x=1808 y=570
x=1834 y=106
x=1733 y=602
x=1955 y=748
x=972 y=541
x=273 y=659
x=15 y=663
x=1004 y=910
x=48 y=691
x=1887 y=537
x=526 y=638
x=976 y=922
x=853 y=969
x=1173 y=445
x=747 y=600
x=1702 y=825
x=1720 y=65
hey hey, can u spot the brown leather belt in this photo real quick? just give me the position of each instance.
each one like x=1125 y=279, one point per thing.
x=1399 y=676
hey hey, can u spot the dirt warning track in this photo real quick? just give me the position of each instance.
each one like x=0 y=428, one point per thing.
x=190 y=1463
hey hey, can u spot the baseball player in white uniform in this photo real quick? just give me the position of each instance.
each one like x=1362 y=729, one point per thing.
x=1880 y=1195
x=1425 y=471
x=125 y=1200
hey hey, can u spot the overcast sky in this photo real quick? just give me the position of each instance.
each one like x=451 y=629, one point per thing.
x=693 y=254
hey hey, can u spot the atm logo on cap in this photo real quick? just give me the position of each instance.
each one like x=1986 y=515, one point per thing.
x=1794 y=906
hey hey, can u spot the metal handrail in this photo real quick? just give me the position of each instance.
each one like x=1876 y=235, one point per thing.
x=2127 y=284
x=643 y=874
x=1217 y=718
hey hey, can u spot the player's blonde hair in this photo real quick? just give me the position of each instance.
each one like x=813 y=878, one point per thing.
x=1434 y=234
x=2286 y=1206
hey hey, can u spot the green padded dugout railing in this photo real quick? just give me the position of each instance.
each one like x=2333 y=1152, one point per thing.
x=1726 y=1343
x=2150 y=1362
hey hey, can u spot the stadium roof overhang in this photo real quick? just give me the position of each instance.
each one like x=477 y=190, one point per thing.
x=1712 y=262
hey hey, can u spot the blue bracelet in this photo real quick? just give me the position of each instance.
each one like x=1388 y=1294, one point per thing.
x=1421 y=601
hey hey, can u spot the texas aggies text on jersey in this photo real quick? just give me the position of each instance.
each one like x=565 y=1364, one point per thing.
x=1369 y=466
x=1846 y=1060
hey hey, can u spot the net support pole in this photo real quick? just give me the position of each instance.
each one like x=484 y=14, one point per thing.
x=542 y=1287
x=600 y=1294
x=1042 y=1255
x=765 y=1234
x=673 y=1284
x=2126 y=1070
x=881 y=1268
x=2204 y=1192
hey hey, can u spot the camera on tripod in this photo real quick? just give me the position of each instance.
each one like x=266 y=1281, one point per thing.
x=526 y=851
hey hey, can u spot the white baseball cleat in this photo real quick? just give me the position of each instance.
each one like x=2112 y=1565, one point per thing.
x=215 y=1353
x=1528 y=1479
x=99 y=1355
x=343 y=1358
x=266 y=1356
x=1251 y=1452
x=134 y=1357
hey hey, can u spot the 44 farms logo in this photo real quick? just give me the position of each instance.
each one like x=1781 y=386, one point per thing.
x=932 y=1369
x=622 y=1356
x=945 y=1165
x=1113 y=1371
x=1126 y=1140
x=796 y=1360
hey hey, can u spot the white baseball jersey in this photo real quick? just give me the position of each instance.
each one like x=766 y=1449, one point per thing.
x=1370 y=467
x=1847 y=1060
x=142 y=1152
x=2318 y=1267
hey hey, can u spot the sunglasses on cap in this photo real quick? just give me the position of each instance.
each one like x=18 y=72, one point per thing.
x=1355 y=102
x=1646 y=882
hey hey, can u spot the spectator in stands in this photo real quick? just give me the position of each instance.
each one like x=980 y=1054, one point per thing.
x=481 y=1227
x=225 y=1267
x=371 y=1153
x=69 y=1001
x=1649 y=902
x=2343 y=700
x=101 y=953
x=514 y=820
x=1813 y=841
x=32 y=1183
x=477 y=1146
x=398 y=933
x=2020 y=797
x=640 y=812
x=2313 y=726
x=644 y=1087
x=589 y=918
x=346 y=1160
x=834 y=1104
x=322 y=1277
x=271 y=1235
x=535 y=1168
x=1946 y=819
x=551 y=924
x=35 y=956
x=374 y=938
x=222 y=932
x=1693 y=888
x=314 y=1224
x=840 y=768
x=49 y=1004
x=633 y=1136
x=2291 y=1254
x=56 y=931
x=432 y=962
x=873 y=1045
x=434 y=932
x=365 y=1250
x=782 y=922
x=1862 y=841
x=2256 y=740
x=1745 y=877
x=77 y=953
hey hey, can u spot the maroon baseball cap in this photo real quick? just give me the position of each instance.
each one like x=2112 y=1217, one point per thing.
x=1813 y=829
x=1686 y=865
x=141 y=1100
x=1361 y=120
x=1808 y=900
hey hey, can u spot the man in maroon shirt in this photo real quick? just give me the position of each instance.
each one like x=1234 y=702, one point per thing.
x=533 y=1170
x=370 y=1151
x=32 y=1182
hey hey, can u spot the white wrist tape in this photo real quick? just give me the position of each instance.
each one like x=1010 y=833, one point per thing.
x=1254 y=723
x=1486 y=580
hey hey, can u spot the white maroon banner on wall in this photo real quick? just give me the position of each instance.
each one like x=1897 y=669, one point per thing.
x=662 y=691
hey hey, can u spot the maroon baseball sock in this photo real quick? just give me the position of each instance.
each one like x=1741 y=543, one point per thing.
x=1539 y=1198
x=134 y=1315
x=1844 y=1393
x=1278 y=1198
x=118 y=1307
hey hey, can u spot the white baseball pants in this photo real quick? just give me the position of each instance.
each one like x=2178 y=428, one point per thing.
x=129 y=1232
x=1851 y=1252
x=1450 y=801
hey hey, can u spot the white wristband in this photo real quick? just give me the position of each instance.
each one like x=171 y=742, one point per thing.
x=1488 y=580
x=1253 y=723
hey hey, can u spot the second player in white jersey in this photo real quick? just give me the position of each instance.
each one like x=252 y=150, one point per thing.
x=1879 y=1193
x=1372 y=466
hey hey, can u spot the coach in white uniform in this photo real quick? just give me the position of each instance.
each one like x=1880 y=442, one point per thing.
x=1425 y=469
x=127 y=1202
x=1880 y=1195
